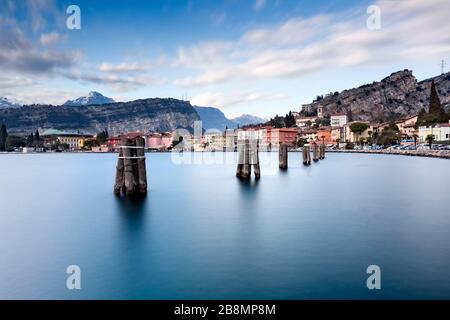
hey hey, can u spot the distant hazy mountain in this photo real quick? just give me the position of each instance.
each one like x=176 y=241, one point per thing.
x=94 y=98
x=247 y=119
x=8 y=103
x=213 y=118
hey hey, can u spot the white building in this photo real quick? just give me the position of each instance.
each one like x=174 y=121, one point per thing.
x=441 y=132
x=302 y=122
x=338 y=120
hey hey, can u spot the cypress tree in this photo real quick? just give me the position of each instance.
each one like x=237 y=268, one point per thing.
x=37 y=139
x=3 y=137
x=435 y=103
x=30 y=140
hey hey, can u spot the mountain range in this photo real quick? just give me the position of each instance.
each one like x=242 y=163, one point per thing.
x=95 y=112
x=397 y=96
x=139 y=115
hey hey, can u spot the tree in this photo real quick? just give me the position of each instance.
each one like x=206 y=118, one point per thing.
x=89 y=143
x=430 y=139
x=388 y=137
x=435 y=103
x=370 y=138
x=415 y=137
x=102 y=136
x=278 y=122
x=14 y=142
x=301 y=142
x=392 y=126
x=30 y=140
x=3 y=137
x=359 y=127
x=436 y=114
x=36 y=139
x=362 y=140
x=420 y=118
x=290 y=120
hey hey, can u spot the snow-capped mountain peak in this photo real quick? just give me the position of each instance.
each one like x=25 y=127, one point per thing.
x=92 y=98
x=6 y=103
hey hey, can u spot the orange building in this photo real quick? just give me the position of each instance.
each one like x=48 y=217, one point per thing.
x=324 y=135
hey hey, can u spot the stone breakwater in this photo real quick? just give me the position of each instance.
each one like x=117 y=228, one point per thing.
x=443 y=154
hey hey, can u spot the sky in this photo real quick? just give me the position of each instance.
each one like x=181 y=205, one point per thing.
x=260 y=57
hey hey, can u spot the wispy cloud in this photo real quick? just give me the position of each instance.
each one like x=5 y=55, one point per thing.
x=18 y=54
x=233 y=99
x=124 y=67
x=117 y=83
x=259 y=4
x=411 y=29
x=50 y=38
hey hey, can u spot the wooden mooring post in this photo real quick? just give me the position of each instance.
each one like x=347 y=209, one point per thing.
x=283 y=156
x=316 y=152
x=247 y=157
x=131 y=173
x=306 y=155
x=322 y=151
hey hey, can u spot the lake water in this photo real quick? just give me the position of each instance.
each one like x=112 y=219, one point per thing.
x=307 y=233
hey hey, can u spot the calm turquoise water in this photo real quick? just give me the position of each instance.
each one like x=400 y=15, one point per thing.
x=200 y=233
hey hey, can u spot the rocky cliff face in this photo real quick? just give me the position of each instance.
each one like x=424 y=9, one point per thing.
x=394 y=97
x=140 y=115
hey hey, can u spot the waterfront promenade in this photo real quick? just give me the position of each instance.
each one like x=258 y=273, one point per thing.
x=443 y=154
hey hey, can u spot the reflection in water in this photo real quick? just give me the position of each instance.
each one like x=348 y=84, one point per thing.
x=248 y=187
x=201 y=233
x=132 y=211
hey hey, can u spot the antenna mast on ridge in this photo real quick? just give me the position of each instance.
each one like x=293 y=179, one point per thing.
x=443 y=64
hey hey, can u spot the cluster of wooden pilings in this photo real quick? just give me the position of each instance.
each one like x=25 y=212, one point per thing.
x=131 y=172
x=247 y=157
x=318 y=151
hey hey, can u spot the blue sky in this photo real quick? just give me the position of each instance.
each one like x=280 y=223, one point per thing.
x=262 y=57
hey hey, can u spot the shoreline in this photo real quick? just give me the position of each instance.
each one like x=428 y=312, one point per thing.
x=440 y=154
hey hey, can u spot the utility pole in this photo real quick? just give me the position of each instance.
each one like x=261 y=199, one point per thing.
x=443 y=64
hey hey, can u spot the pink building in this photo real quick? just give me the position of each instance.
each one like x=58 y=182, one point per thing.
x=159 y=141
